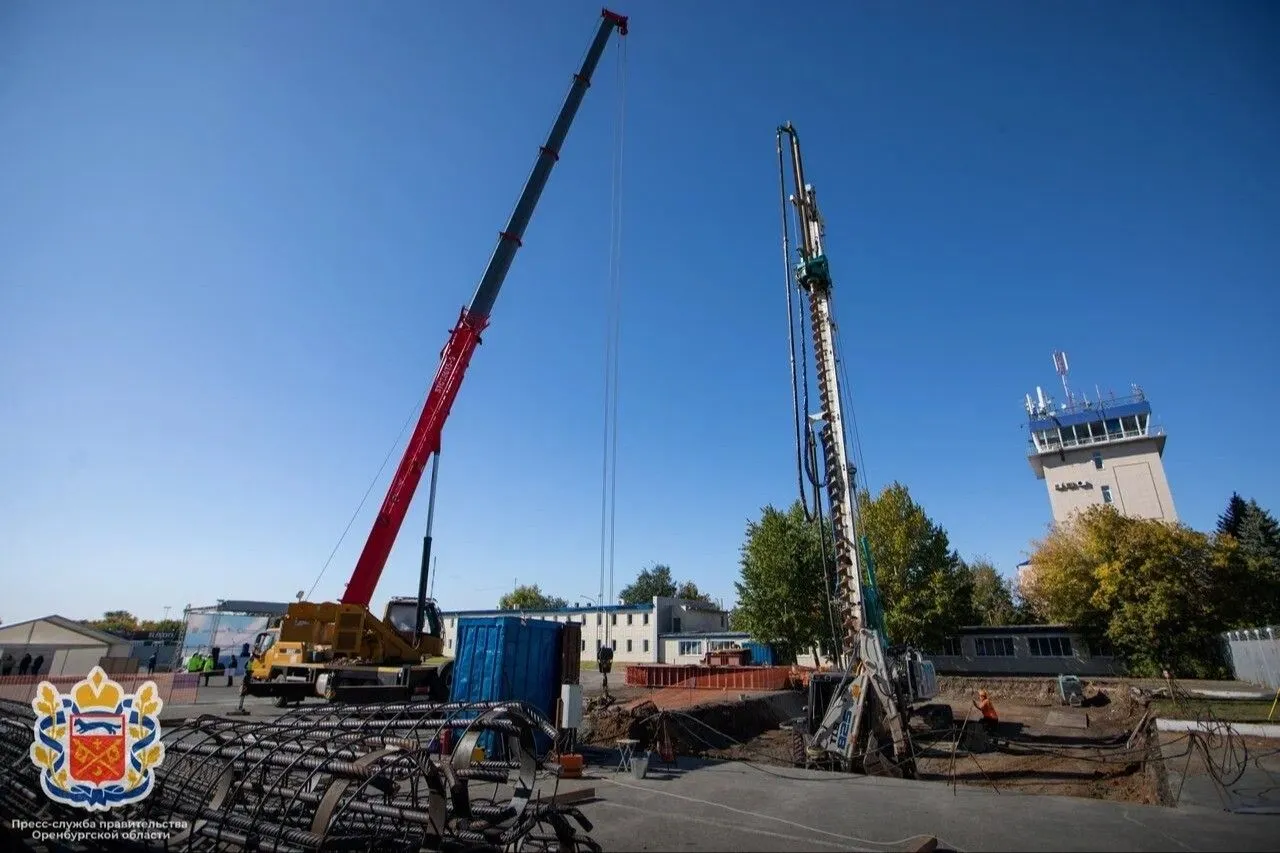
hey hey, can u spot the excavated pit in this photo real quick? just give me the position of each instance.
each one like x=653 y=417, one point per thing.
x=1109 y=750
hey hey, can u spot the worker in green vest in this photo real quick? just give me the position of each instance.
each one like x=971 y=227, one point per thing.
x=196 y=663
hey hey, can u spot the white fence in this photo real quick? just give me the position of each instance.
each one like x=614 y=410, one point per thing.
x=1255 y=655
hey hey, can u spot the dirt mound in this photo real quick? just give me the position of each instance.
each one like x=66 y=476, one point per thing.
x=1113 y=695
x=695 y=730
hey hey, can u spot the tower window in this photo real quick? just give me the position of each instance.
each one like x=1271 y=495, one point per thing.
x=1106 y=494
x=1097 y=460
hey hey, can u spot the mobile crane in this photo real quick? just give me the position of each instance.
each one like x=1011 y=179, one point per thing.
x=340 y=650
x=857 y=715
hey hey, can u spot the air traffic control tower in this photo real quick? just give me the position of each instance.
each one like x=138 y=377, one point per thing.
x=1101 y=451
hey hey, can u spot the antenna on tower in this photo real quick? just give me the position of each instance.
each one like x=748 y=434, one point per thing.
x=1060 y=365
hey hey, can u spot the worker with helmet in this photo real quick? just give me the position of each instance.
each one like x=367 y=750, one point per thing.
x=990 y=718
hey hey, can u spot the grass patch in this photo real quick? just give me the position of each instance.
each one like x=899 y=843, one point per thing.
x=589 y=664
x=1227 y=710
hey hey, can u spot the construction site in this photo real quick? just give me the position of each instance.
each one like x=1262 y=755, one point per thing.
x=354 y=731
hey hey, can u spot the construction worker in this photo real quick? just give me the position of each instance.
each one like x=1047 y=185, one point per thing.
x=990 y=719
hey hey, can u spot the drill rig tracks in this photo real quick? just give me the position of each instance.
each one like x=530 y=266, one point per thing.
x=327 y=777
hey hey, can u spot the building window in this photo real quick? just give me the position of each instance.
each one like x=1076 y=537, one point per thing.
x=613 y=644
x=1106 y=494
x=690 y=647
x=646 y=645
x=598 y=618
x=628 y=645
x=614 y=618
x=1097 y=460
x=597 y=645
x=951 y=647
x=993 y=647
x=720 y=645
x=451 y=644
x=628 y=618
x=584 y=645
x=646 y=618
x=1050 y=647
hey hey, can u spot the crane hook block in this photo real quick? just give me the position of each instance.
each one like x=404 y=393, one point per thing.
x=619 y=20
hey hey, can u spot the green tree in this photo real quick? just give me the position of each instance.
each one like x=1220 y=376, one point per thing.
x=689 y=592
x=925 y=589
x=161 y=626
x=1155 y=590
x=1249 y=544
x=992 y=595
x=1229 y=522
x=653 y=581
x=114 y=622
x=530 y=598
x=782 y=594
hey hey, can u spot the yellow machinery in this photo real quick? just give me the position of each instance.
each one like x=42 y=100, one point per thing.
x=342 y=651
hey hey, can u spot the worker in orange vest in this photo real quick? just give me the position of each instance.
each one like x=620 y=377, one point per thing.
x=990 y=719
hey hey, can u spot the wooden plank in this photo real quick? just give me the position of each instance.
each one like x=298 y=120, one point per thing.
x=565 y=798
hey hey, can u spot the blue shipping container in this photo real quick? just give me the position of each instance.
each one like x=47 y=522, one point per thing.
x=761 y=653
x=508 y=658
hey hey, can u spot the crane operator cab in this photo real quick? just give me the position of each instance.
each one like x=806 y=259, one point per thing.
x=264 y=641
x=402 y=616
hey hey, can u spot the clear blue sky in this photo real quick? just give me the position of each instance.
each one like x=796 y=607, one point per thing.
x=234 y=237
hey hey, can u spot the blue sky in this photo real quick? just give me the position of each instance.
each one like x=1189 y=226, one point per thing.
x=235 y=237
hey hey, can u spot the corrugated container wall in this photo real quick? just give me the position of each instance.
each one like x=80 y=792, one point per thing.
x=761 y=653
x=508 y=658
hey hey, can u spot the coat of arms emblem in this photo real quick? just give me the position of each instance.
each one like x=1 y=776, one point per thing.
x=97 y=747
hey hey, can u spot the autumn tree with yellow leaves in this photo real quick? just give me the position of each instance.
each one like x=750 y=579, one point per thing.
x=1161 y=593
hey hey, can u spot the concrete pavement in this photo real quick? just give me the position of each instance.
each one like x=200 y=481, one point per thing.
x=734 y=806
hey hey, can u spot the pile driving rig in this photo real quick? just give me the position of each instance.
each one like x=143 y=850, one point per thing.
x=857 y=715
x=340 y=650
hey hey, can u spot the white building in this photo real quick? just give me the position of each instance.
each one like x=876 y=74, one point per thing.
x=690 y=646
x=63 y=646
x=1099 y=452
x=635 y=632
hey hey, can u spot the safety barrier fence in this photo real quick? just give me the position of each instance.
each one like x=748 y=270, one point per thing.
x=709 y=677
x=178 y=688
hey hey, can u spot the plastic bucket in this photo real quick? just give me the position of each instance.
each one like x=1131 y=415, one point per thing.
x=640 y=765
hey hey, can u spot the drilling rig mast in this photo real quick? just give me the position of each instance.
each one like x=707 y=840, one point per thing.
x=863 y=723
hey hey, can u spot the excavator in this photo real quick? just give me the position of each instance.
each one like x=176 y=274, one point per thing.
x=857 y=715
x=339 y=650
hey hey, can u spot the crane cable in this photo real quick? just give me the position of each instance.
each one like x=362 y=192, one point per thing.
x=797 y=418
x=613 y=323
x=807 y=448
x=390 y=451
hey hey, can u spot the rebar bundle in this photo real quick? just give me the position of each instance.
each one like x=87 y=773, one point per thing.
x=328 y=777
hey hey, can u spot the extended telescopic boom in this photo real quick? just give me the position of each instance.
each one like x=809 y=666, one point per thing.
x=465 y=336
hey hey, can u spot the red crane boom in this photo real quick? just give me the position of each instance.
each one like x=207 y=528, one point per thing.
x=465 y=337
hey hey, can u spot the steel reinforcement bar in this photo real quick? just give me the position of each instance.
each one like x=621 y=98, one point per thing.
x=326 y=777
